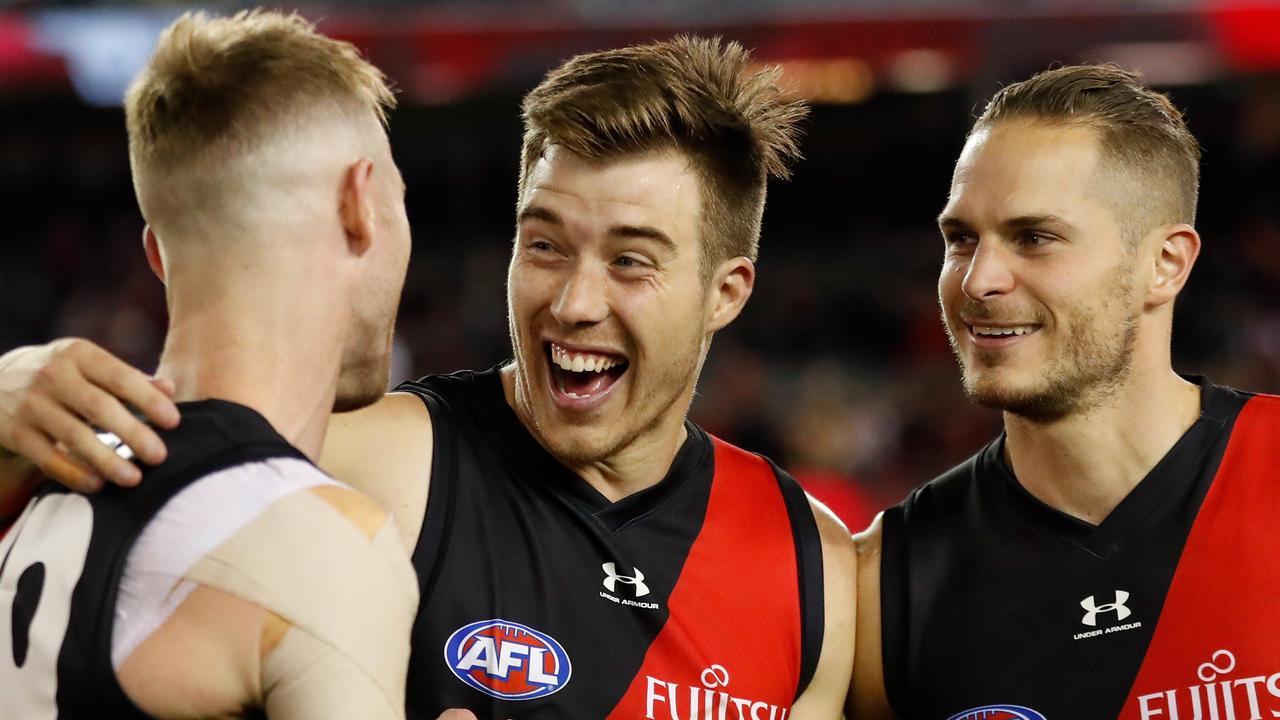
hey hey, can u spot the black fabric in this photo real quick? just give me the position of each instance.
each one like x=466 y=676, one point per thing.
x=982 y=584
x=511 y=534
x=213 y=435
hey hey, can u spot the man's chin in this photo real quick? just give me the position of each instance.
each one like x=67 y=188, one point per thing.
x=354 y=396
x=1033 y=403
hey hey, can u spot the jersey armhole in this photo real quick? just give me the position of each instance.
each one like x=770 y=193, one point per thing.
x=808 y=544
x=439 y=514
x=894 y=605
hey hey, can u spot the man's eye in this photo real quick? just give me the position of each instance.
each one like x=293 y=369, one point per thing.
x=628 y=261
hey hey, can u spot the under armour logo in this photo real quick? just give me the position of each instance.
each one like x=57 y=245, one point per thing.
x=1092 y=608
x=613 y=578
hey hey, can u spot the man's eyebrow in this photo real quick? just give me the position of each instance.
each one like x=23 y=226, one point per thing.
x=537 y=212
x=643 y=232
x=1029 y=221
x=1022 y=222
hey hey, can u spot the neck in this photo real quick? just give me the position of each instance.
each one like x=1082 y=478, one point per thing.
x=1086 y=463
x=266 y=344
x=640 y=464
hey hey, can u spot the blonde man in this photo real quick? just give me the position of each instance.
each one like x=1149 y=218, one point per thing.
x=584 y=550
x=238 y=575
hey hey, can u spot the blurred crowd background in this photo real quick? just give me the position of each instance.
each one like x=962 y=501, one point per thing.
x=839 y=368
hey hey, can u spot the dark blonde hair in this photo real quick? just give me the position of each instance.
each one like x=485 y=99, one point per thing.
x=216 y=86
x=1140 y=131
x=692 y=95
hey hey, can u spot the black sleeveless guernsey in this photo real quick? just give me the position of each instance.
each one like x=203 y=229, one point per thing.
x=700 y=597
x=996 y=606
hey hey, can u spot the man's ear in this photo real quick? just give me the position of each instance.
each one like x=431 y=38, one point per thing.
x=730 y=287
x=1176 y=255
x=356 y=210
x=151 y=246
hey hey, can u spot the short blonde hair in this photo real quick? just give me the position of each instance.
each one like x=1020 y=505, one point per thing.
x=1142 y=135
x=693 y=95
x=217 y=86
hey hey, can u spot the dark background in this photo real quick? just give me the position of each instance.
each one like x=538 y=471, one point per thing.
x=839 y=367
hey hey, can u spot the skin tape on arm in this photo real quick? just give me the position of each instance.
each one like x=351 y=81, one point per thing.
x=350 y=599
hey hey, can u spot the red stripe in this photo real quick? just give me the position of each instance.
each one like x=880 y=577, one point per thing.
x=1221 y=619
x=736 y=606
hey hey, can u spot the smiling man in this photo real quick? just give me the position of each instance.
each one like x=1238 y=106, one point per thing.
x=583 y=550
x=1110 y=554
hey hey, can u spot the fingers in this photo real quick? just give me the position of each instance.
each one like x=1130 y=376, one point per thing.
x=55 y=463
x=50 y=395
x=82 y=441
x=457 y=715
x=104 y=411
x=131 y=386
x=165 y=385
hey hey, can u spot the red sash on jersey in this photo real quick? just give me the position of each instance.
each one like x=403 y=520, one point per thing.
x=731 y=645
x=1215 y=654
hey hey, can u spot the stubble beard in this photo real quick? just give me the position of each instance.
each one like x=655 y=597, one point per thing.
x=1094 y=363
x=656 y=395
x=363 y=378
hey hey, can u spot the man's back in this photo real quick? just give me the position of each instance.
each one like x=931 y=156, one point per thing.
x=207 y=570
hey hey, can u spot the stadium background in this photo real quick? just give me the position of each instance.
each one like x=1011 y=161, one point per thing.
x=839 y=367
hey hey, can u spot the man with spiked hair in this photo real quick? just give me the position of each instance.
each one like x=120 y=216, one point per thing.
x=1112 y=553
x=583 y=550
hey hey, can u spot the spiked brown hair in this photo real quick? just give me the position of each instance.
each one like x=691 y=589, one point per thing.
x=1142 y=135
x=692 y=95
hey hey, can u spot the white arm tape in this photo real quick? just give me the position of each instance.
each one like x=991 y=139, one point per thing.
x=304 y=561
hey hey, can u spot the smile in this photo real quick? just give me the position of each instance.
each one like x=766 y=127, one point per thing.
x=582 y=378
x=995 y=336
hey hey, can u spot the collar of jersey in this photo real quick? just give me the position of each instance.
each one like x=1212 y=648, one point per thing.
x=1167 y=482
x=692 y=467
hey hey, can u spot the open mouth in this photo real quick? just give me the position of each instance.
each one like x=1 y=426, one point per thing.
x=1001 y=334
x=583 y=375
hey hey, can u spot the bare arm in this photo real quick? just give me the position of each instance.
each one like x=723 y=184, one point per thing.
x=825 y=696
x=867 y=697
x=52 y=395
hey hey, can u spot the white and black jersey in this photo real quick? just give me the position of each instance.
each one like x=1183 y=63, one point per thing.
x=63 y=561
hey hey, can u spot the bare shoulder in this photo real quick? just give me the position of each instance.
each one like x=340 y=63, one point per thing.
x=839 y=552
x=825 y=695
x=867 y=697
x=385 y=452
x=396 y=417
x=867 y=542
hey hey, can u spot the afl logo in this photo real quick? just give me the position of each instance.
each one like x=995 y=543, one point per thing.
x=507 y=660
x=998 y=712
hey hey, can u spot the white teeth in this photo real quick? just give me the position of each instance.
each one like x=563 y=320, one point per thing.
x=1003 y=331
x=579 y=362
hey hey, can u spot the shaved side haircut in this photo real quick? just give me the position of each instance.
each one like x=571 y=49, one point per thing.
x=1144 y=139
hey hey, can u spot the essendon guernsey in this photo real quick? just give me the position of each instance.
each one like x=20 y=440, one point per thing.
x=698 y=598
x=995 y=605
